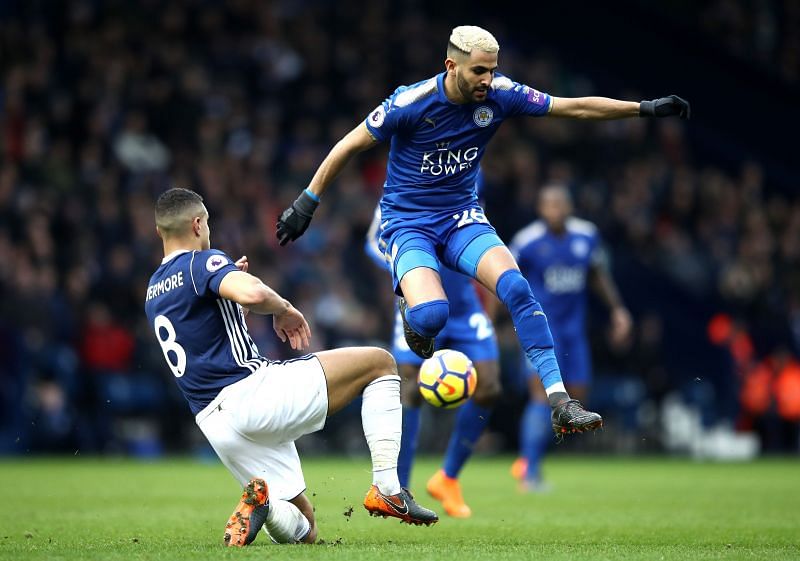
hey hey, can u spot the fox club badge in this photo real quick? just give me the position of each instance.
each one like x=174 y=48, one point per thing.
x=483 y=116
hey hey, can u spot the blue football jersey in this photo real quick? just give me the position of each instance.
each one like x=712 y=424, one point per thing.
x=203 y=337
x=556 y=267
x=436 y=145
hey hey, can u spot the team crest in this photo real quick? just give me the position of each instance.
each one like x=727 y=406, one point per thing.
x=483 y=116
x=377 y=116
x=580 y=247
x=215 y=263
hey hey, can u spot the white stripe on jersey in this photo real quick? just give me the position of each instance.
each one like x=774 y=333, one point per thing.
x=527 y=235
x=416 y=93
x=581 y=226
x=246 y=333
x=241 y=331
x=233 y=329
x=191 y=272
x=502 y=83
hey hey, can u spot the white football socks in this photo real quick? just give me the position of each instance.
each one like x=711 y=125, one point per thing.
x=382 y=418
x=285 y=523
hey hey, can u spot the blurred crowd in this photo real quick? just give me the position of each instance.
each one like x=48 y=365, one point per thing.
x=763 y=32
x=241 y=101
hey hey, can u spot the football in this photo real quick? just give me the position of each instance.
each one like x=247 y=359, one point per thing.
x=447 y=379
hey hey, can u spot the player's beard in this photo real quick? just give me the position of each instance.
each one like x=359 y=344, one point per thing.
x=466 y=91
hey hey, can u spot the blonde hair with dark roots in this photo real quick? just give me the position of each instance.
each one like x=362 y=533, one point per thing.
x=465 y=38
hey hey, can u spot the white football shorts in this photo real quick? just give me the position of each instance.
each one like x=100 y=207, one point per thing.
x=252 y=424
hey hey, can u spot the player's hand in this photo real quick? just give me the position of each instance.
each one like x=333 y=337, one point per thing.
x=242 y=264
x=295 y=219
x=621 y=324
x=665 y=107
x=292 y=326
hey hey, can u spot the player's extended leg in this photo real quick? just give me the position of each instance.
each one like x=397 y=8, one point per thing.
x=372 y=373
x=471 y=421
x=497 y=271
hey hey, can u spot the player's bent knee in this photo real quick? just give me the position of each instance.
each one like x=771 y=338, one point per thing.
x=385 y=363
x=512 y=289
x=429 y=318
x=380 y=362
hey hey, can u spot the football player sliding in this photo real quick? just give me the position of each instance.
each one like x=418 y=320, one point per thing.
x=438 y=130
x=252 y=409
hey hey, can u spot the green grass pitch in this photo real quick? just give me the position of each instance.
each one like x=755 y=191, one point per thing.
x=601 y=508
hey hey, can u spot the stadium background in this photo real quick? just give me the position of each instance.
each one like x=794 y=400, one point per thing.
x=103 y=105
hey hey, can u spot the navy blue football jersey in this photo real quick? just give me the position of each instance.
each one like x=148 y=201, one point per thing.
x=203 y=337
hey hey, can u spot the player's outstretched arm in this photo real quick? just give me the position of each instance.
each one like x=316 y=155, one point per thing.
x=604 y=108
x=256 y=296
x=295 y=219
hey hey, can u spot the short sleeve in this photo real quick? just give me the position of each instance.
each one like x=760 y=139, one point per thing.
x=208 y=268
x=525 y=100
x=385 y=120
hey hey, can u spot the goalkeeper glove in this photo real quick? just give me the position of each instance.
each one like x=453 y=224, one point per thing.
x=665 y=107
x=295 y=219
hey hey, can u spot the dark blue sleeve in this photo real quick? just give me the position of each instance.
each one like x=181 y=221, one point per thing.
x=207 y=269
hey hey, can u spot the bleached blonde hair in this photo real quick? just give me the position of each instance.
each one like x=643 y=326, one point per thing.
x=465 y=38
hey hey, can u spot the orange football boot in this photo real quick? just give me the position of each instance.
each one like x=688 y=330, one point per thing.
x=250 y=514
x=519 y=469
x=402 y=506
x=448 y=491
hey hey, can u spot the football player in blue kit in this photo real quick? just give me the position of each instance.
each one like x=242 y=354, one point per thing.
x=252 y=409
x=470 y=331
x=561 y=258
x=438 y=130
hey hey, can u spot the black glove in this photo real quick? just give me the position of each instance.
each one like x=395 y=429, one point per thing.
x=295 y=219
x=665 y=107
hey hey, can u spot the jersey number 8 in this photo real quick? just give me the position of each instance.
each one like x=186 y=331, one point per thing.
x=169 y=344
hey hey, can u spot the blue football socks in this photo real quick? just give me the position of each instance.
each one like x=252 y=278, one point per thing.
x=535 y=435
x=428 y=318
x=531 y=326
x=408 y=444
x=470 y=422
